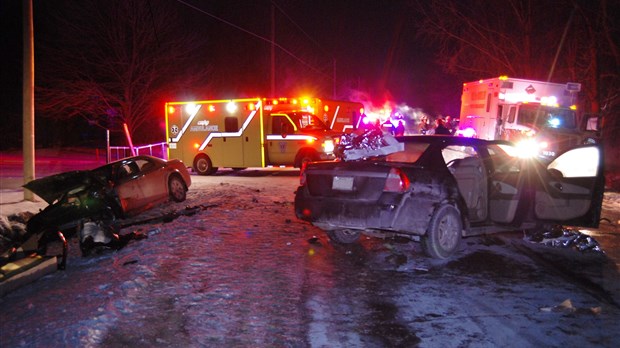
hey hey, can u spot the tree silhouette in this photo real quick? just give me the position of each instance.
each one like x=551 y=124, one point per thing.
x=554 y=40
x=557 y=40
x=114 y=62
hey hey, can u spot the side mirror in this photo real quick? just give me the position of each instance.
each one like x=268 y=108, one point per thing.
x=592 y=123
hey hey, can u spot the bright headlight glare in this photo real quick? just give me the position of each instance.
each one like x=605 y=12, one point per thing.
x=527 y=148
x=328 y=146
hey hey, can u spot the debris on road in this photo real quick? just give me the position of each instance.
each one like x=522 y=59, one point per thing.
x=567 y=307
x=563 y=237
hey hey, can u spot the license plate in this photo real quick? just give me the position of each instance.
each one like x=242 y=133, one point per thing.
x=342 y=183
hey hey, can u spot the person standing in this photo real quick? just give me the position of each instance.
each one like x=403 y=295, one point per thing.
x=400 y=129
x=423 y=127
x=450 y=125
x=440 y=127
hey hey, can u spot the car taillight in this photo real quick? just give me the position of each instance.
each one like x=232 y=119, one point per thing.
x=302 y=174
x=396 y=181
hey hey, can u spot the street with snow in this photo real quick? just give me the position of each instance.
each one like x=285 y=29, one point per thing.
x=236 y=268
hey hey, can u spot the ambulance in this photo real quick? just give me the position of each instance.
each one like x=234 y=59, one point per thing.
x=538 y=116
x=256 y=132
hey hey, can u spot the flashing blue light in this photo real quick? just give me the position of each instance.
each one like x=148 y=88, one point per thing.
x=554 y=122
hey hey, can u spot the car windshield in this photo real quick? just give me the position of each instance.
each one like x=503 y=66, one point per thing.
x=412 y=153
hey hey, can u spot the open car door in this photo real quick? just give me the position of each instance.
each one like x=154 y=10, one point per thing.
x=572 y=187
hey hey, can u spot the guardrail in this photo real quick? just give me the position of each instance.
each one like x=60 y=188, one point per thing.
x=156 y=149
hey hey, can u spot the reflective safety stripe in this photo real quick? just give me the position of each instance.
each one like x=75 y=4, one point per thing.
x=230 y=134
x=291 y=137
x=187 y=123
x=335 y=117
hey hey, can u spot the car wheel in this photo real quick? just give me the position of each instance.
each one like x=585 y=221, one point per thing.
x=444 y=233
x=344 y=236
x=305 y=156
x=176 y=189
x=203 y=165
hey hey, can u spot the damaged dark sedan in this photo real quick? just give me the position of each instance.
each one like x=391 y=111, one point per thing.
x=438 y=189
x=113 y=191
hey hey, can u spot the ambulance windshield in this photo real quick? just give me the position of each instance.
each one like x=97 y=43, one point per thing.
x=307 y=121
x=547 y=117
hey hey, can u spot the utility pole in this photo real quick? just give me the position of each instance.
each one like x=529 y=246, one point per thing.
x=334 y=78
x=28 y=98
x=273 y=51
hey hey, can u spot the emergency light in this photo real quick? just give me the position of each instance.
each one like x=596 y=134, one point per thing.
x=231 y=107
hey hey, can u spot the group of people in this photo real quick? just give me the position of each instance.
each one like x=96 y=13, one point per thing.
x=441 y=126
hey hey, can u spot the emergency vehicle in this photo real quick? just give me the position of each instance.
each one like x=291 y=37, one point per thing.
x=539 y=116
x=256 y=132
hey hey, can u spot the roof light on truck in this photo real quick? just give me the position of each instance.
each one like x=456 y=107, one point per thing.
x=231 y=107
x=190 y=108
x=551 y=101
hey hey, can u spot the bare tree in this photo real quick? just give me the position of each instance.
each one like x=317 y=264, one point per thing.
x=114 y=62
x=547 y=40
x=555 y=40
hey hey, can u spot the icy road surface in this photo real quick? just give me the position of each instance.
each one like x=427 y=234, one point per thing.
x=244 y=272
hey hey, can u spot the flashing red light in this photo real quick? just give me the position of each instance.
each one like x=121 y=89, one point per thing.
x=171 y=109
x=211 y=108
x=196 y=145
x=326 y=108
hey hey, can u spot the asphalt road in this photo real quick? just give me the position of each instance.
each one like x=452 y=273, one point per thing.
x=243 y=271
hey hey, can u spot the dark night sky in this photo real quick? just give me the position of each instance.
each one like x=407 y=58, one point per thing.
x=372 y=43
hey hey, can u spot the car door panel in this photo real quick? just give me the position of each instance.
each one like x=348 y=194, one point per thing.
x=505 y=190
x=504 y=200
x=571 y=192
x=128 y=187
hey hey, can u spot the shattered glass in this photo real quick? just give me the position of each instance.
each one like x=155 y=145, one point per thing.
x=563 y=237
x=372 y=142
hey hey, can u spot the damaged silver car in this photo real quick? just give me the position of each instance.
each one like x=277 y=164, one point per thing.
x=438 y=189
x=115 y=190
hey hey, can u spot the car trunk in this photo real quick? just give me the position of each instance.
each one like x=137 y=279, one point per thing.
x=347 y=180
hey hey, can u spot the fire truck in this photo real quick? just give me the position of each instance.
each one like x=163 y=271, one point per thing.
x=256 y=132
x=538 y=116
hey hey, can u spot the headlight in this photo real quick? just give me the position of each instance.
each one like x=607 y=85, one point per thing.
x=532 y=147
x=328 y=146
x=529 y=148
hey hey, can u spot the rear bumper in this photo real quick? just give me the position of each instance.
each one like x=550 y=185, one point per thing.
x=391 y=213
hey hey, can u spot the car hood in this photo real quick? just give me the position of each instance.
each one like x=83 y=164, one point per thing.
x=53 y=187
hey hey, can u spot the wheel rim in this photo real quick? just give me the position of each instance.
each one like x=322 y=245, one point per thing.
x=349 y=233
x=449 y=233
x=202 y=165
x=177 y=189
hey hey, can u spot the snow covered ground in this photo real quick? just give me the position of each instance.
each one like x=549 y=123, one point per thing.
x=243 y=271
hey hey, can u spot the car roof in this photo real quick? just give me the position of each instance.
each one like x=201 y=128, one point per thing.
x=449 y=140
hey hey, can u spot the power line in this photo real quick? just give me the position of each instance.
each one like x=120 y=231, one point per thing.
x=300 y=28
x=254 y=35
